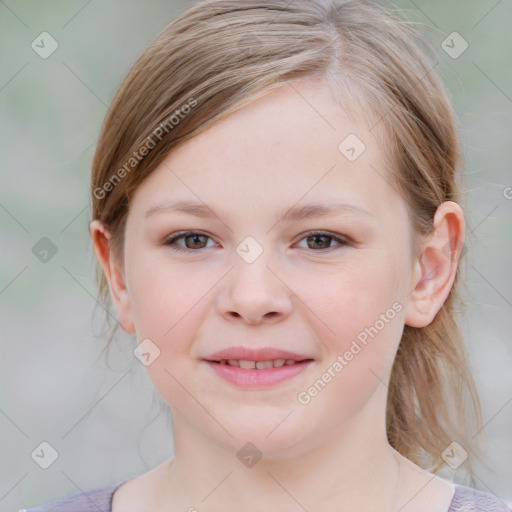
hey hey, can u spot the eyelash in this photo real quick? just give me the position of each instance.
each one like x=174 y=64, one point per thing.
x=171 y=242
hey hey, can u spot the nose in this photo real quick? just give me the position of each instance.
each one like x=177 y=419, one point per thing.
x=255 y=293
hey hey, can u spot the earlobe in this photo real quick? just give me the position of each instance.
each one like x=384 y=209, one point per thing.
x=114 y=274
x=436 y=267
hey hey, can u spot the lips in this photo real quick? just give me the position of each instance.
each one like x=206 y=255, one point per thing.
x=257 y=368
x=256 y=355
x=260 y=365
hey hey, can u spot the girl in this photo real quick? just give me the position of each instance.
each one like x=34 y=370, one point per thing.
x=276 y=216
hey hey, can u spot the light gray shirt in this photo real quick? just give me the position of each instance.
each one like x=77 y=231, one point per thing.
x=465 y=499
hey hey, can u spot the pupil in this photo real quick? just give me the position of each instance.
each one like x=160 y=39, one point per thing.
x=195 y=237
x=317 y=237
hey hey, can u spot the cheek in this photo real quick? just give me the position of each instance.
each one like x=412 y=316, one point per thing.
x=359 y=317
x=164 y=296
x=350 y=296
x=169 y=306
x=368 y=322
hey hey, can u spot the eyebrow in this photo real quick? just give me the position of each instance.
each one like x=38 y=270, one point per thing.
x=295 y=213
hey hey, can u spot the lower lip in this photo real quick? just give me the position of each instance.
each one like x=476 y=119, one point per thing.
x=253 y=378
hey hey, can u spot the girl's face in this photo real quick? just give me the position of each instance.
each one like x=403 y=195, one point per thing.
x=253 y=278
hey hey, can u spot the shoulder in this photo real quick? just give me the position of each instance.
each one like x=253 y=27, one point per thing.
x=94 y=500
x=467 y=499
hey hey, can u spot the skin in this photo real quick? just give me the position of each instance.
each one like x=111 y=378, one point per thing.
x=278 y=152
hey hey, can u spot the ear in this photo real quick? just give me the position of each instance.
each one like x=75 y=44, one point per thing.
x=114 y=273
x=436 y=266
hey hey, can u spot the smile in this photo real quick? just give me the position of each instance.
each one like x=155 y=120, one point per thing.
x=257 y=374
x=259 y=365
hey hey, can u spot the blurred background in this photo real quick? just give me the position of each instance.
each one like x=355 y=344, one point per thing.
x=61 y=63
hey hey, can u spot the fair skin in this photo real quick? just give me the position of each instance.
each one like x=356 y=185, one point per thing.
x=303 y=293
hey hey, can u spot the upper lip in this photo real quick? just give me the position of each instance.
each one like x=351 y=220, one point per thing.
x=255 y=354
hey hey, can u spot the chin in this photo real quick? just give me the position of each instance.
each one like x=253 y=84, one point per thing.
x=272 y=436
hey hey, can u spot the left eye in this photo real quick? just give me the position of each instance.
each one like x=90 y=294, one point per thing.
x=195 y=240
x=317 y=236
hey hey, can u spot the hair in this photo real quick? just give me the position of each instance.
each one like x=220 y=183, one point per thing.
x=220 y=55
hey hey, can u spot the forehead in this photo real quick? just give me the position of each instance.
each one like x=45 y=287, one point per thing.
x=295 y=142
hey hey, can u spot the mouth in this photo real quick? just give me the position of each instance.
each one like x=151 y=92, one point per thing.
x=259 y=365
x=255 y=368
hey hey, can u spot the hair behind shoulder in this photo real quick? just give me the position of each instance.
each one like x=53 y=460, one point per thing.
x=220 y=55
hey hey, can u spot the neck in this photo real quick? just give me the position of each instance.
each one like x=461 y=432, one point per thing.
x=354 y=468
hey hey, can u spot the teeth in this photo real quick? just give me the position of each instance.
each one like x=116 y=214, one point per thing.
x=263 y=365
x=246 y=364
x=260 y=365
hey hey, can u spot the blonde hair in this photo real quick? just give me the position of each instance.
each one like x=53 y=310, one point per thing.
x=220 y=55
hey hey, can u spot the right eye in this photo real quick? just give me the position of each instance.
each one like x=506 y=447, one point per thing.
x=194 y=240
